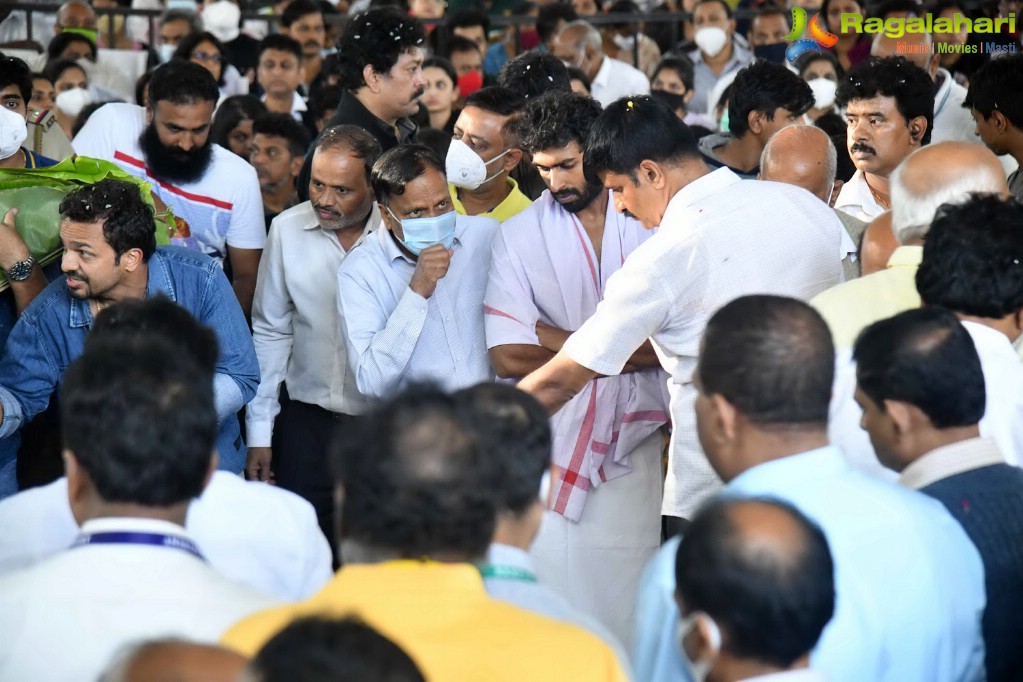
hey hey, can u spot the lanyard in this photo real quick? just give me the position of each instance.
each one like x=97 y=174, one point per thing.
x=132 y=538
x=507 y=573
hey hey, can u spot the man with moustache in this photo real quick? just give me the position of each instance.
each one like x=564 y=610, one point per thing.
x=380 y=63
x=213 y=193
x=279 y=143
x=296 y=323
x=889 y=105
x=550 y=265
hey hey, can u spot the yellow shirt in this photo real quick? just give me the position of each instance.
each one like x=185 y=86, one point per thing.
x=513 y=204
x=441 y=616
x=852 y=306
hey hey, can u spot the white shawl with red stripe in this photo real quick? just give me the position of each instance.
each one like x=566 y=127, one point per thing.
x=544 y=269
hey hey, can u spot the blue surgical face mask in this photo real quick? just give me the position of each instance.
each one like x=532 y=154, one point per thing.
x=421 y=233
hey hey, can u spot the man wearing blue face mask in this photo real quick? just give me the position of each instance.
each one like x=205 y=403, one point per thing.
x=483 y=153
x=411 y=296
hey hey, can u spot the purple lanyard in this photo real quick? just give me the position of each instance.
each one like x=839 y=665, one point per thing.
x=129 y=538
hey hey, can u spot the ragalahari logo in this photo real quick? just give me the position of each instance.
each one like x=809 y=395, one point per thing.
x=819 y=36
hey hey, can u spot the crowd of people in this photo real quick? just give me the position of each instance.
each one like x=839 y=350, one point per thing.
x=575 y=350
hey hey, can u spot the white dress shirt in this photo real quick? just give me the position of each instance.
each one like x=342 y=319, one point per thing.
x=394 y=336
x=716 y=243
x=296 y=326
x=857 y=200
x=617 y=79
x=64 y=618
x=254 y=533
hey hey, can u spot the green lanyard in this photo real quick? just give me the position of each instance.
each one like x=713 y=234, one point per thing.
x=507 y=573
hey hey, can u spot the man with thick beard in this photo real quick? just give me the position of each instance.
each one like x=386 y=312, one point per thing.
x=214 y=194
x=296 y=323
x=550 y=265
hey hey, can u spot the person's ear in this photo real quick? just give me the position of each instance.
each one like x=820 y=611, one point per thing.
x=687 y=96
x=372 y=78
x=652 y=173
x=79 y=486
x=917 y=129
x=834 y=192
x=512 y=159
x=705 y=639
x=730 y=28
x=726 y=417
x=900 y=415
x=296 y=165
x=755 y=121
x=998 y=121
x=131 y=260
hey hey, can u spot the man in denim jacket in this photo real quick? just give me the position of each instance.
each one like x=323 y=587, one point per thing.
x=111 y=255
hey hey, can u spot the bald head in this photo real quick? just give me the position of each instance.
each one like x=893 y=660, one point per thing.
x=946 y=172
x=803 y=156
x=763 y=572
x=76 y=14
x=176 y=661
x=915 y=47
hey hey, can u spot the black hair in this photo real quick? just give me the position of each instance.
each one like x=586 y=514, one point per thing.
x=804 y=62
x=128 y=221
x=682 y=66
x=319 y=649
x=175 y=14
x=634 y=129
x=399 y=166
x=517 y=433
x=323 y=99
x=533 y=73
x=55 y=69
x=764 y=86
x=354 y=139
x=496 y=100
x=182 y=82
x=158 y=316
x=230 y=113
x=282 y=43
x=186 y=46
x=375 y=38
x=549 y=16
x=140 y=419
x=771 y=602
x=926 y=358
x=467 y=18
x=973 y=257
x=773 y=358
x=896 y=77
x=60 y=42
x=437 y=140
x=576 y=74
x=297 y=9
x=555 y=120
x=14 y=71
x=417 y=481
x=883 y=9
x=941 y=5
x=456 y=43
x=728 y=8
x=284 y=126
x=141 y=86
x=998 y=84
x=444 y=65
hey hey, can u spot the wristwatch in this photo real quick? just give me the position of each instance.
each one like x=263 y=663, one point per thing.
x=21 y=270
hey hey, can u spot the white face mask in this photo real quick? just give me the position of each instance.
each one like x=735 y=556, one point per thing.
x=624 y=42
x=699 y=670
x=166 y=51
x=465 y=168
x=13 y=132
x=711 y=40
x=72 y=101
x=823 y=92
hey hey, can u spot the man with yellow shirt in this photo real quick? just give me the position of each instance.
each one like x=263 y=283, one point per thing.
x=418 y=503
x=483 y=153
x=929 y=177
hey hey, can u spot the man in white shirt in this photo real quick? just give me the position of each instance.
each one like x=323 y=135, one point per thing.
x=755 y=587
x=279 y=72
x=213 y=193
x=296 y=324
x=719 y=53
x=889 y=105
x=720 y=237
x=411 y=297
x=550 y=267
x=138 y=437
x=579 y=44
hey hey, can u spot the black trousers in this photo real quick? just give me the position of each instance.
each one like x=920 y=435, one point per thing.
x=302 y=438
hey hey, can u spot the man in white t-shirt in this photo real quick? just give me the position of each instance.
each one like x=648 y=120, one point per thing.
x=720 y=237
x=214 y=194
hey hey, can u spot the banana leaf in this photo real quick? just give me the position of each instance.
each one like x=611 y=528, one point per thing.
x=37 y=193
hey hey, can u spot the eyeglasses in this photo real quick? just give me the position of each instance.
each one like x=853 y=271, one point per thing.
x=207 y=57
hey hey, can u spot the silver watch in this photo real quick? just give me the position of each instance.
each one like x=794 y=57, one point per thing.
x=21 y=270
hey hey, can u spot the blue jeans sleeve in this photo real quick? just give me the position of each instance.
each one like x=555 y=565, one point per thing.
x=237 y=361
